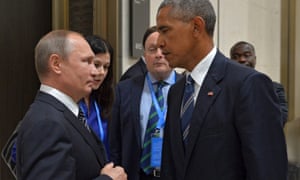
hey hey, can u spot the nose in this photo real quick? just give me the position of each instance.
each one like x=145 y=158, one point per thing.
x=160 y=42
x=94 y=70
x=159 y=53
x=101 y=69
x=242 y=59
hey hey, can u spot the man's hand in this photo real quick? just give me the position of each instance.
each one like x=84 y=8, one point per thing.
x=116 y=173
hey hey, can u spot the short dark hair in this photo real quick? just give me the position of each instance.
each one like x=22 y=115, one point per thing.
x=241 y=43
x=185 y=10
x=148 y=32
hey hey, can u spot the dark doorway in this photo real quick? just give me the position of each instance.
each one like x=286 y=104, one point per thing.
x=22 y=23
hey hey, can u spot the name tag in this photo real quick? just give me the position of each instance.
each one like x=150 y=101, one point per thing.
x=156 y=151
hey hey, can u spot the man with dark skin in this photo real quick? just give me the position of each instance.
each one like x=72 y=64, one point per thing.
x=232 y=129
x=244 y=53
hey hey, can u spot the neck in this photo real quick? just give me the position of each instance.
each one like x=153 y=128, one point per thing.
x=87 y=102
x=161 y=76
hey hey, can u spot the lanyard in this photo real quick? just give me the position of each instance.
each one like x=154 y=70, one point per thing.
x=161 y=112
x=99 y=120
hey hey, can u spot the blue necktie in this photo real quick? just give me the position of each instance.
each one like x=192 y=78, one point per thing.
x=151 y=125
x=187 y=108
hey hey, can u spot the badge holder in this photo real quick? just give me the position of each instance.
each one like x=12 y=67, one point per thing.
x=156 y=149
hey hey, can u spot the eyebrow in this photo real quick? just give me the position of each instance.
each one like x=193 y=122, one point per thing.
x=160 y=28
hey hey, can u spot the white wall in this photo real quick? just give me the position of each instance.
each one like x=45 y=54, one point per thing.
x=256 y=21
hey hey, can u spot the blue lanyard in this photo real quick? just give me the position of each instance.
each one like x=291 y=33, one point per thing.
x=99 y=120
x=160 y=112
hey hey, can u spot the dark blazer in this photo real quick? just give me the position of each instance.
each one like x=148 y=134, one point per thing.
x=139 y=68
x=125 y=131
x=235 y=130
x=53 y=144
x=279 y=90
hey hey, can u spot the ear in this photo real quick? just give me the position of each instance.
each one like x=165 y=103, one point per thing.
x=199 y=25
x=55 y=63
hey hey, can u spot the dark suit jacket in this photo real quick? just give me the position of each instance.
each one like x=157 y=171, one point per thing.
x=139 y=68
x=53 y=144
x=125 y=131
x=235 y=131
x=279 y=90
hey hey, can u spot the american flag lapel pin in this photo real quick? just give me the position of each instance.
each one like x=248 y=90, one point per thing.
x=210 y=93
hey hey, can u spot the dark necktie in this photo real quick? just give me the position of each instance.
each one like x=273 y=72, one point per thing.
x=82 y=119
x=151 y=125
x=187 y=108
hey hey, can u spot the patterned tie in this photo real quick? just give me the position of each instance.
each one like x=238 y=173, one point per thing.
x=82 y=119
x=187 y=107
x=151 y=125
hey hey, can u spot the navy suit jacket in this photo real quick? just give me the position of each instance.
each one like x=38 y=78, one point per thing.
x=125 y=131
x=138 y=69
x=53 y=144
x=235 y=130
x=279 y=90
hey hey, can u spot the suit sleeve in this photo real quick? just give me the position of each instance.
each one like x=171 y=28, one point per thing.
x=46 y=153
x=279 y=90
x=258 y=123
x=115 y=131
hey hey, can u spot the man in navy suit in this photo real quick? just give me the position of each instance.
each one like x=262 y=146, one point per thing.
x=234 y=131
x=244 y=53
x=53 y=142
x=132 y=108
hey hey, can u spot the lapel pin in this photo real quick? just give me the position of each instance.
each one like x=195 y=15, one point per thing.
x=210 y=93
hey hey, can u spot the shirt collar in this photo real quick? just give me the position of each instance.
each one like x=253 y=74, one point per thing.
x=62 y=97
x=201 y=69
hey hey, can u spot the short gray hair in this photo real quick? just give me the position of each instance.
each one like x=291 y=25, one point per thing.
x=55 y=42
x=185 y=10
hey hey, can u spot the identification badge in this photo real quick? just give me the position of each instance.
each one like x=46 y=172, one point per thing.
x=156 y=151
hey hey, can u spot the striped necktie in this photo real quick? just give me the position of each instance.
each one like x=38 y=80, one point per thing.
x=82 y=119
x=187 y=108
x=151 y=125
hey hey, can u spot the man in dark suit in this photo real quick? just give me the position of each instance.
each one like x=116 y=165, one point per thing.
x=234 y=129
x=54 y=141
x=139 y=68
x=244 y=53
x=131 y=110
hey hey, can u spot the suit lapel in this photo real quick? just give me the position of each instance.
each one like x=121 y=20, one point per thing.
x=89 y=137
x=137 y=88
x=91 y=140
x=208 y=94
x=174 y=123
